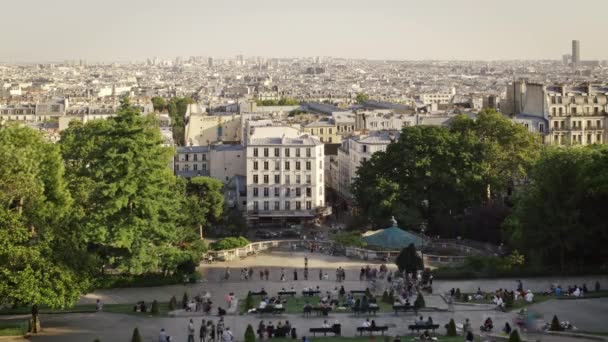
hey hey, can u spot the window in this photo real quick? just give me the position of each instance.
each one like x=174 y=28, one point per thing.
x=287 y=179
x=266 y=152
x=308 y=179
x=277 y=205
x=297 y=152
x=330 y=132
x=308 y=151
x=308 y=166
x=266 y=205
x=286 y=165
x=287 y=192
x=195 y=167
x=255 y=152
x=364 y=148
x=596 y=110
x=320 y=165
x=277 y=179
x=320 y=130
x=287 y=205
x=561 y=111
x=297 y=179
x=204 y=156
x=187 y=157
x=277 y=165
x=598 y=138
x=265 y=165
x=255 y=192
x=308 y=205
x=266 y=192
x=330 y=139
x=177 y=167
x=287 y=152
x=255 y=179
x=598 y=124
x=195 y=157
x=204 y=166
x=298 y=165
x=298 y=205
x=276 y=152
x=256 y=205
x=255 y=165
x=308 y=192
x=187 y=167
x=574 y=110
x=265 y=179
x=298 y=192
x=588 y=123
x=588 y=138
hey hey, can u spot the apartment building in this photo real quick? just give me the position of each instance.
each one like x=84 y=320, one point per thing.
x=219 y=161
x=326 y=130
x=561 y=114
x=285 y=176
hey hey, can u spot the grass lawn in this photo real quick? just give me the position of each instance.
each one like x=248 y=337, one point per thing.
x=87 y=308
x=13 y=328
x=295 y=305
x=538 y=298
x=377 y=338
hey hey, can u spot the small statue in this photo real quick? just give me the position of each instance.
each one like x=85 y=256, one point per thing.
x=394 y=221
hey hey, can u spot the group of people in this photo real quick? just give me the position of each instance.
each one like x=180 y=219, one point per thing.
x=207 y=332
x=575 y=291
x=270 y=331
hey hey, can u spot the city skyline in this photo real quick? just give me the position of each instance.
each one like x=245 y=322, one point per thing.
x=387 y=29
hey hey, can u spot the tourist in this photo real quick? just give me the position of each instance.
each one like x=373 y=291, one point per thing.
x=507 y=329
x=366 y=323
x=530 y=296
x=520 y=286
x=163 y=337
x=227 y=335
x=211 y=329
x=325 y=324
x=202 y=334
x=261 y=330
x=305 y=273
x=470 y=337
x=191 y=331
x=466 y=327
x=429 y=321
x=305 y=262
x=305 y=339
x=420 y=321
x=98 y=305
x=576 y=292
x=295 y=275
x=373 y=324
x=227 y=273
x=261 y=274
x=266 y=274
x=320 y=274
x=270 y=330
x=426 y=336
x=250 y=273
x=220 y=327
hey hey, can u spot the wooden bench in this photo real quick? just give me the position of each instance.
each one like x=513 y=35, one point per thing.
x=418 y=327
x=286 y=293
x=403 y=308
x=371 y=330
x=336 y=329
x=310 y=293
x=354 y=292
x=258 y=293
x=270 y=310
x=367 y=310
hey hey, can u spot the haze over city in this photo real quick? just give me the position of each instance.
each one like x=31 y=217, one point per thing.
x=116 y=30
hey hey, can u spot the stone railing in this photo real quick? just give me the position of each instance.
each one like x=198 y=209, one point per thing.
x=260 y=246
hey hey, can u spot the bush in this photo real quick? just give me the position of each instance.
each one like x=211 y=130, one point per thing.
x=514 y=337
x=229 y=243
x=249 y=334
x=186 y=267
x=385 y=297
x=451 y=328
x=155 y=310
x=249 y=301
x=97 y=340
x=419 y=302
x=351 y=239
x=185 y=300
x=173 y=303
x=509 y=299
x=195 y=277
x=555 y=326
x=136 y=336
x=142 y=280
x=597 y=286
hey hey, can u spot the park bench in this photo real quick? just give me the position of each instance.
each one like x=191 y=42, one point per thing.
x=367 y=310
x=418 y=327
x=371 y=330
x=336 y=329
x=258 y=293
x=403 y=308
x=273 y=310
x=321 y=311
x=287 y=293
x=310 y=293
x=360 y=292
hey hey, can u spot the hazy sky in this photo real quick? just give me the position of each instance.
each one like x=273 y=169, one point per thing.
x=46 y=30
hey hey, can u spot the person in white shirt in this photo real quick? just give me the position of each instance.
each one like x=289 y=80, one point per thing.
x=577 y=292
x=262 y=304
x=325 y=324
x=162 y=337
x=227 y=335
x=529 y=296
x=366 y=323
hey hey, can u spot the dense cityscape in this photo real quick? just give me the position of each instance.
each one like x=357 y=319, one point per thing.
x=244 y=198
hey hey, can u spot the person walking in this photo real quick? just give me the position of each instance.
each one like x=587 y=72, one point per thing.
x=320 y=274
x=191 y=331
x=266 y=273
x=227 y=335
x=295 y=275
x=203 y=332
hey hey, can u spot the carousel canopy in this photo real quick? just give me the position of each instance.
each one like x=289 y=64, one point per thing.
x=391 y=238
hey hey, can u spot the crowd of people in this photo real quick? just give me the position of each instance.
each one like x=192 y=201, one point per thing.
x=208 y=331
x=269 y=330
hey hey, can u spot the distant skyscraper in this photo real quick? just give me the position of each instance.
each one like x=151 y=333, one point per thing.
x=566 y=59
x=576 y=52
x=210 y=62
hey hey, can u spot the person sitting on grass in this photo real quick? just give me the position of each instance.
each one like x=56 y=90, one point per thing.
x=426 y=336
x=478 y=295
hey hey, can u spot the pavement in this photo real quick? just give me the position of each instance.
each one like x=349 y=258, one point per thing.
x=586 y=314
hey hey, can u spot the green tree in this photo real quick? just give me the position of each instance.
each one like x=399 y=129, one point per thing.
x=451 y=328
x=207 y=200
x=136 y=336
x=419 y=302
x=408 y=260
x=42 y=260
x=514 y=337
x=177 y=108
x=249 y=334
x=361 y=98
x=555 y=325
x=159 y=103
x=249 y=304
x=126 y=198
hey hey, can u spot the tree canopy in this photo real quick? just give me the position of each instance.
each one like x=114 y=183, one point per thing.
x=361 y=97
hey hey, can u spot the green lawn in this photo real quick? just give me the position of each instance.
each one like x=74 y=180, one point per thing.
x=364 y=338
x=295 y=305
x=538 y=298
x=87 y=308
x=13 y=328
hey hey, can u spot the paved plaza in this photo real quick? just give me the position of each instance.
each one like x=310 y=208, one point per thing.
x=589 y=315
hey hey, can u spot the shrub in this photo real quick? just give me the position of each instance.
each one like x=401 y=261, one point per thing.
x=155 y=310
x=451 y=328
x=514 y=337
x=173 y=303
x=457 y=294
x=597 y=286
x=249 y=334
x=419 y=302
x=186 y=267
x=185 y=300
x=555 y=326
x=352 y=239
x=229 y=243
x=385 y=298
x=249 y=301
x=509 y=299
x=136 y=336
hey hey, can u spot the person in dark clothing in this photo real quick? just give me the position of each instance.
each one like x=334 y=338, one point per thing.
x=261 y=330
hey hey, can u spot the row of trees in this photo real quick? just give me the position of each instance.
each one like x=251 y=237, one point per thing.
x=285 y=101
x=102 y=199
x=458 y=181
